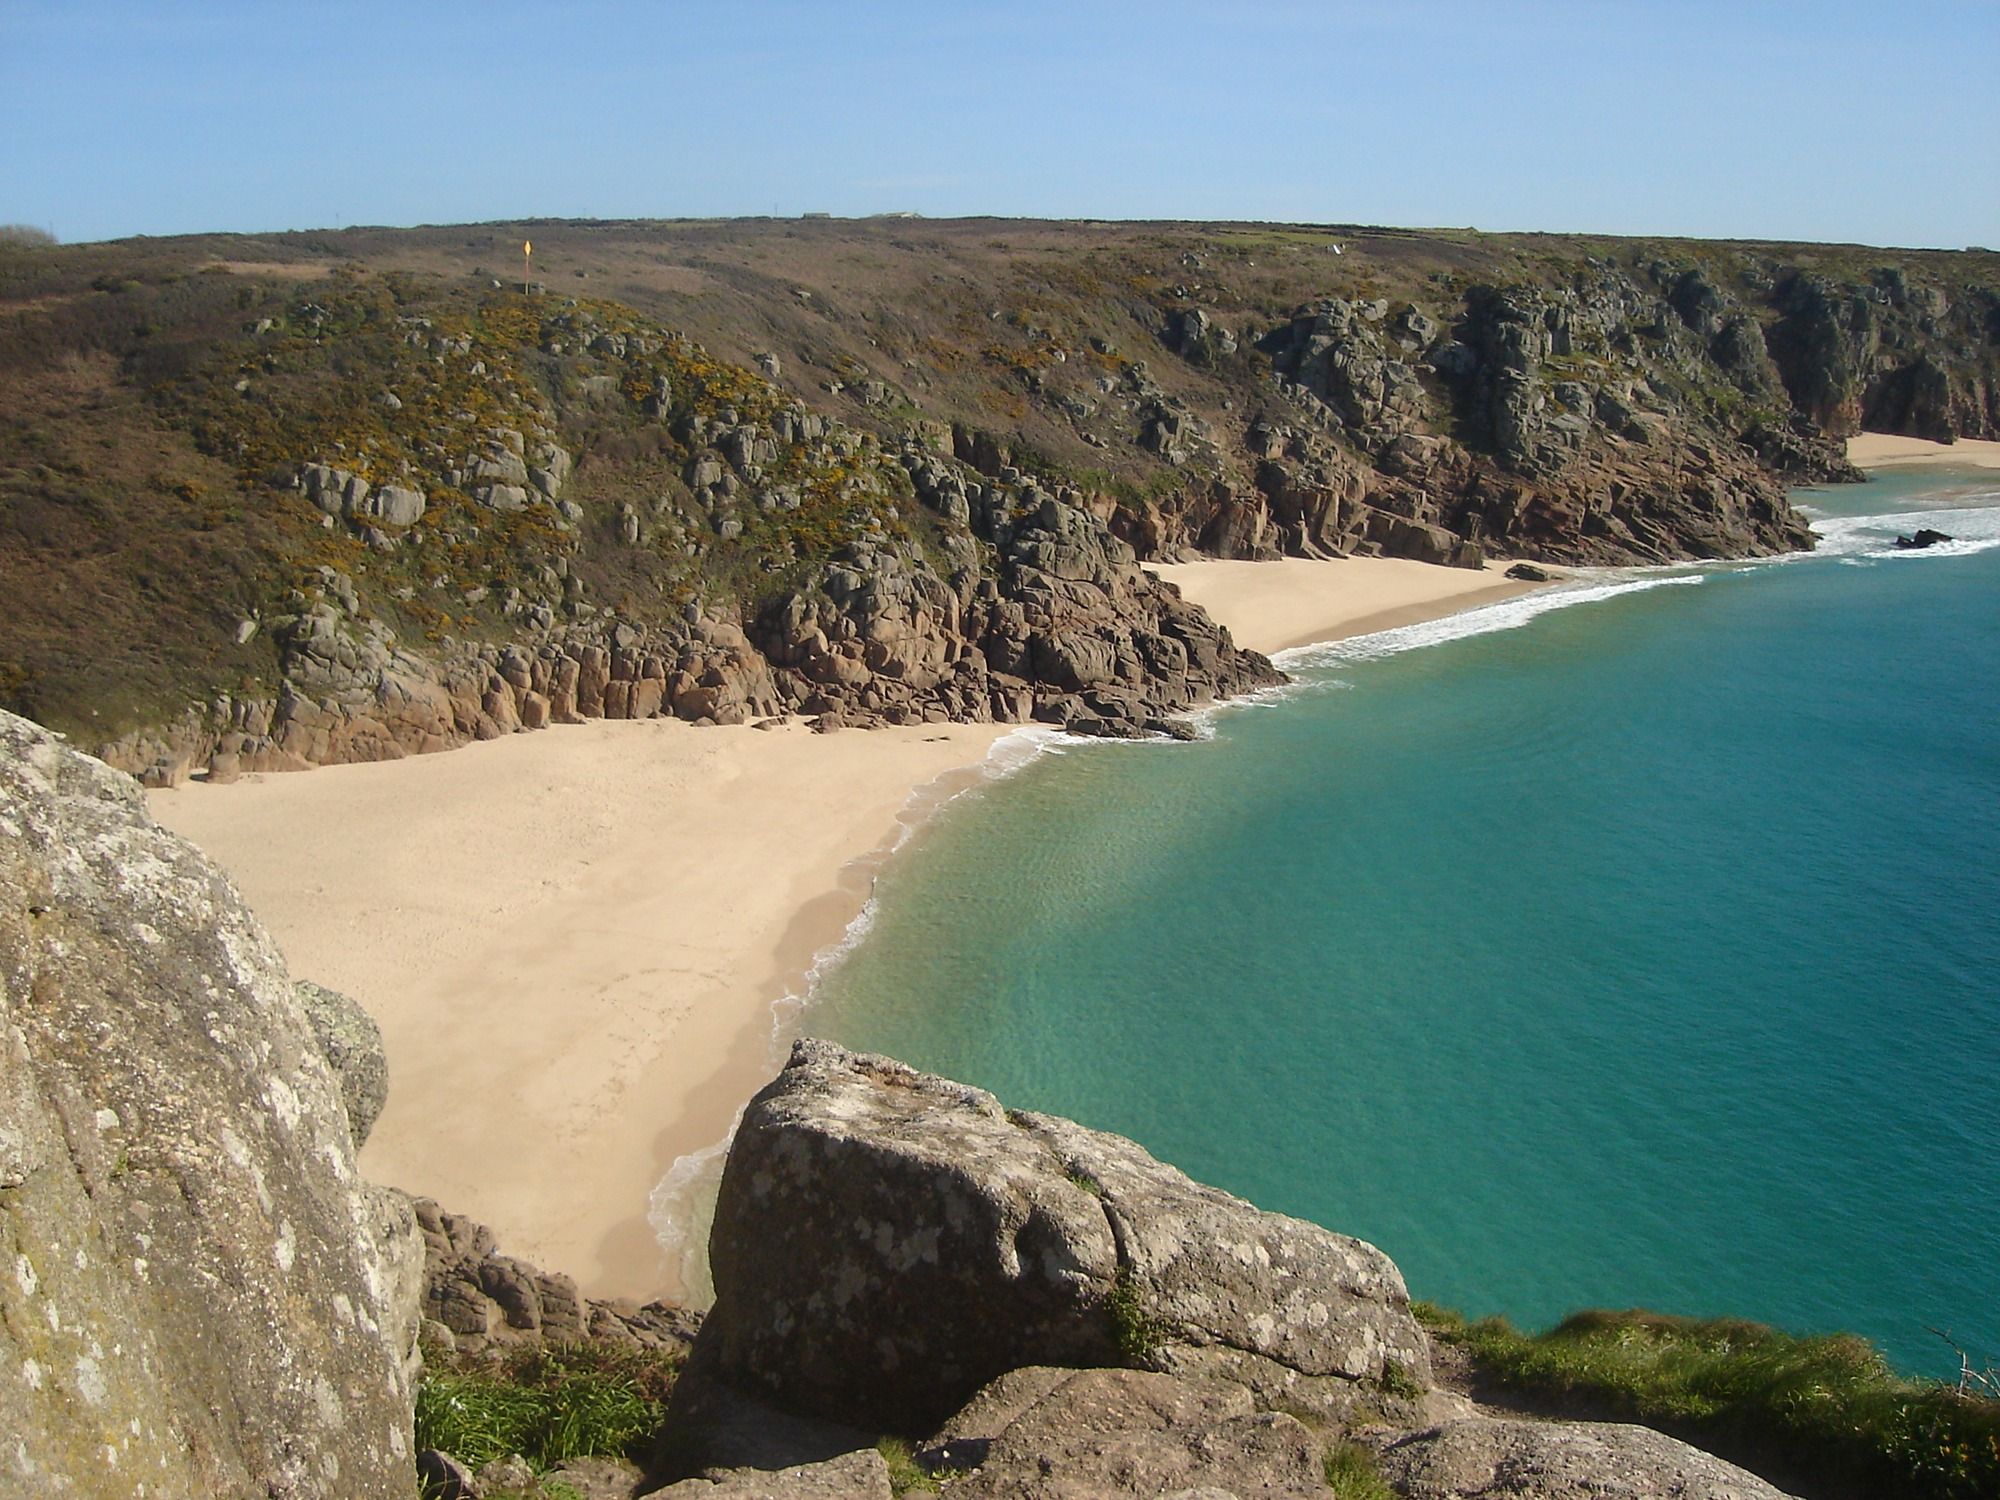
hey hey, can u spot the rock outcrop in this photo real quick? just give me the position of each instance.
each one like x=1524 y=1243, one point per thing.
x=935 y=592
x=1054 y=1433
x=1492 y=1458
x=857 y=1475
x=1548 y=423
x=477 y=1301
x=1067 y=1317
x=352 y=1045
x=201 y=1297
x=869 y=1207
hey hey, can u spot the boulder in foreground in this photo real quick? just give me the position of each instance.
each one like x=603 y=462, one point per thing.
x=887 y=1242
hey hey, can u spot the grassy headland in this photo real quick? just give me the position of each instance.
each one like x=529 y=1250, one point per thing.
x=1824 y=1416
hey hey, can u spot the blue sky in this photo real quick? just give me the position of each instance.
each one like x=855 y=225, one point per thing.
x=1878 y=123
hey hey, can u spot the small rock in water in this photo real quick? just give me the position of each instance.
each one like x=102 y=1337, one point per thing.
x=1924 y=538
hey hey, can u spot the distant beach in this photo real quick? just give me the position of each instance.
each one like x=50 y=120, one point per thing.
x=1299 y=601
x=1881 y=450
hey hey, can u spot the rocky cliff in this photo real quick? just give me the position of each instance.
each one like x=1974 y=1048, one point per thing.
x=302 y=499
x=201 y=1297
x=1049 y=1312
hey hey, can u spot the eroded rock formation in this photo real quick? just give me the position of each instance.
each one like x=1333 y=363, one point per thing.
x=478 y=1301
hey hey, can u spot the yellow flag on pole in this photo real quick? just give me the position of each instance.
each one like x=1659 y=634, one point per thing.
x=527 y=247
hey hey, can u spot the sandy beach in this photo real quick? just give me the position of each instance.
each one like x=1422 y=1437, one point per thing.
x=572 y=939
x=1881 y=450
x=1295 y=601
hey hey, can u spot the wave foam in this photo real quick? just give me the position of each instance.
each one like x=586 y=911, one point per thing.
x=679 y=1210
x=1972 y=528
x=1509 y=614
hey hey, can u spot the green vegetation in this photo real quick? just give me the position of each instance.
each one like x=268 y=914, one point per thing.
x=1825 y=1413
x=906 y=1475
x=158 y=396
x=1135 y=1332
x=548 y=1405
x=1399 y=1382
x=1351 y=1474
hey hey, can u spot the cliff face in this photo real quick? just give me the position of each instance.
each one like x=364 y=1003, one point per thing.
x=1560 y=424
x=317 y=498
x=1626 y=414
x=1889 y=355
x=201 y=1297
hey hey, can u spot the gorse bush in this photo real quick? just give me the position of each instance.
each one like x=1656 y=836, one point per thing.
x=1825 y=1413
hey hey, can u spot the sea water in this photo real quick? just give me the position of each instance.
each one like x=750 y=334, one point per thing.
x=1634 y=943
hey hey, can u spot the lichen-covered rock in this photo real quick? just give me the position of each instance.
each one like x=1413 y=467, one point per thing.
x=886 y=1242
x=352 y=1042
x=860 y=1475
x=1043 y=1434
x=199 y=1296
x=1492 y=1458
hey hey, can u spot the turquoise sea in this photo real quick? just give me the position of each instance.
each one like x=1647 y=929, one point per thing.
x=1633 y=944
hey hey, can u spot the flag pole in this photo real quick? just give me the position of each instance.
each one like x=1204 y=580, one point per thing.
x=527 y=249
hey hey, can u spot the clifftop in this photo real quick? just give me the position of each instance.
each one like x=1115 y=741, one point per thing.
x=330 y=496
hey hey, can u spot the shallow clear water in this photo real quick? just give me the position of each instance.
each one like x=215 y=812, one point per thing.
x=1641 y=951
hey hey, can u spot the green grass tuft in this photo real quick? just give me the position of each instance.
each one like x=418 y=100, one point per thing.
x=1398 y=1381
x=1135 y=1332
x=1085 y=1181
x=549 y=1406
x=906 y=1475
x=1822 y=1411
x=1351 y=1474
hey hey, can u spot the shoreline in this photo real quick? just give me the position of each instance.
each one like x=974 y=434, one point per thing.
x=1882 y=450
x=577 y=941
x=573 y=941
x=1298 y=601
